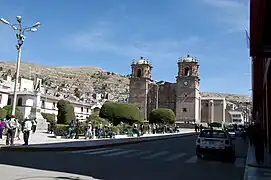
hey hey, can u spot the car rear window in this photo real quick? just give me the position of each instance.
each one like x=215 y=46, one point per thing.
x=213 y=134
x=231 y=130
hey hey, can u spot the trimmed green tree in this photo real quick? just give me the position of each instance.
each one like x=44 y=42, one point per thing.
x=3 y=113
x=117 y=112
x=65 y=112
x=18 y=114
x=49 y=117
x=162 y=116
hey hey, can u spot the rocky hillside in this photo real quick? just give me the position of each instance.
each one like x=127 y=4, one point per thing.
x=87 y=80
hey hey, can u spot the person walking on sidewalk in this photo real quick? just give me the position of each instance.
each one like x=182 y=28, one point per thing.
x=2 y=127
x=11 y=130
x=34 y=125
x=19 y=129
x=26 y=130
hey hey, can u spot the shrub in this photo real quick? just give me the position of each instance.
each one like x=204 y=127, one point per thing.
x=117 y=112
x=49 y=117
x=61 y=130
x=65 y=112
x=3 y=113
x=162 y=116
x=18 y=114
x=96 y=120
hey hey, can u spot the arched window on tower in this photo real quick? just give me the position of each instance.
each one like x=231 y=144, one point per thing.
x=187 y=71
x=139 y=72
x=20 y=102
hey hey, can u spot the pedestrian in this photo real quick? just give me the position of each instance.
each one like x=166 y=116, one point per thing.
x=26 y=130
x=11 y=130
x=52 y=127
x=70 y=130
x=200 y=128
x=2 y=127
x=34 y=125
x=19 y=128
x=196 y=128
x=77 y=126
x=89 y=132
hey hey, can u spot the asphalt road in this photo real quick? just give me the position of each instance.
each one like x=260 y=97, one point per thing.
x=159 y=160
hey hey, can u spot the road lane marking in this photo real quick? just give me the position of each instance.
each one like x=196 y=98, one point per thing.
x=175 y=157
x=103 y=152
x=89 y=150
x=155 y=155
x=240 y=162
x=193 y=159
x=119 y=153
x=138 y=154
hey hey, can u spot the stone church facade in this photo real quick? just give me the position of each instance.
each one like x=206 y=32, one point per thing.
x=183 y=97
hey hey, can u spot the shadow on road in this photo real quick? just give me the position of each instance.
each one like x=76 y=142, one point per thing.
x=103 y=168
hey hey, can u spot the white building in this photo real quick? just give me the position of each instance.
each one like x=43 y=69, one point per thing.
x=237 y=117
x=28 y=99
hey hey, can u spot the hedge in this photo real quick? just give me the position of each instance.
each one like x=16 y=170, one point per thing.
x=65 y=112
x=49 y=117
x=215 y=124
x=117 y=112
x=162 y=116
x=61 y=130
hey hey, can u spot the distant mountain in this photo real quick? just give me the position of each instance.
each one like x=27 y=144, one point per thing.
x=88 y=80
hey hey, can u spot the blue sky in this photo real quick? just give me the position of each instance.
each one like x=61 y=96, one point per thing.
x=110 y=33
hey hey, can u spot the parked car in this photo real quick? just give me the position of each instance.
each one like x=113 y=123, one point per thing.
x=215 y=142
x=232 y=132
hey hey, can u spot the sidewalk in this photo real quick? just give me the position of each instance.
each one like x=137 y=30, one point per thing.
x=254 y=171
x=40 y=137
x=15 y=173
x=42 y=141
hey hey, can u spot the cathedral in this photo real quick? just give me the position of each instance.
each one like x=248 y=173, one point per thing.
x=183 y=97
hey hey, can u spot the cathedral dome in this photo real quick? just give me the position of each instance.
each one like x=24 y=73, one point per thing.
x=188 y=58
x=142 y=61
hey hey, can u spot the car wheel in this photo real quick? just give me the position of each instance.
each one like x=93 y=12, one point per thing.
x=199 y=156
x=232 y=158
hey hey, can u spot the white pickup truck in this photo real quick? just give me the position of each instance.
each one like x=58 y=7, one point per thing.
x=215 y=142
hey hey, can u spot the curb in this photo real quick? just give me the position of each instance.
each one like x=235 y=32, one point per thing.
x=259 y=166
x=72 y=148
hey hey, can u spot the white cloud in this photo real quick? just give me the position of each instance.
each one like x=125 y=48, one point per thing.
x=233 y=13
x=103 y=38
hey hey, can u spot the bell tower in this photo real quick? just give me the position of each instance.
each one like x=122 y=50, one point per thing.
x=139 y=84
x=187 y=92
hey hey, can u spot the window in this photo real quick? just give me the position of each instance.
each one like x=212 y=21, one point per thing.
x=184 y=109
x=20 y=102
x=42 y=104
x=9 y=101
x=138 y=72
x=54 y=105
x=213 y=134
x=87 y=110
x=82 y=109
x=187 y=71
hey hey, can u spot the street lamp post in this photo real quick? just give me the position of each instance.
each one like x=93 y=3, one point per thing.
x=158 y=84
x=21 y=30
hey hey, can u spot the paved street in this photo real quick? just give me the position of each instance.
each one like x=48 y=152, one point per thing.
x=164 y=159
